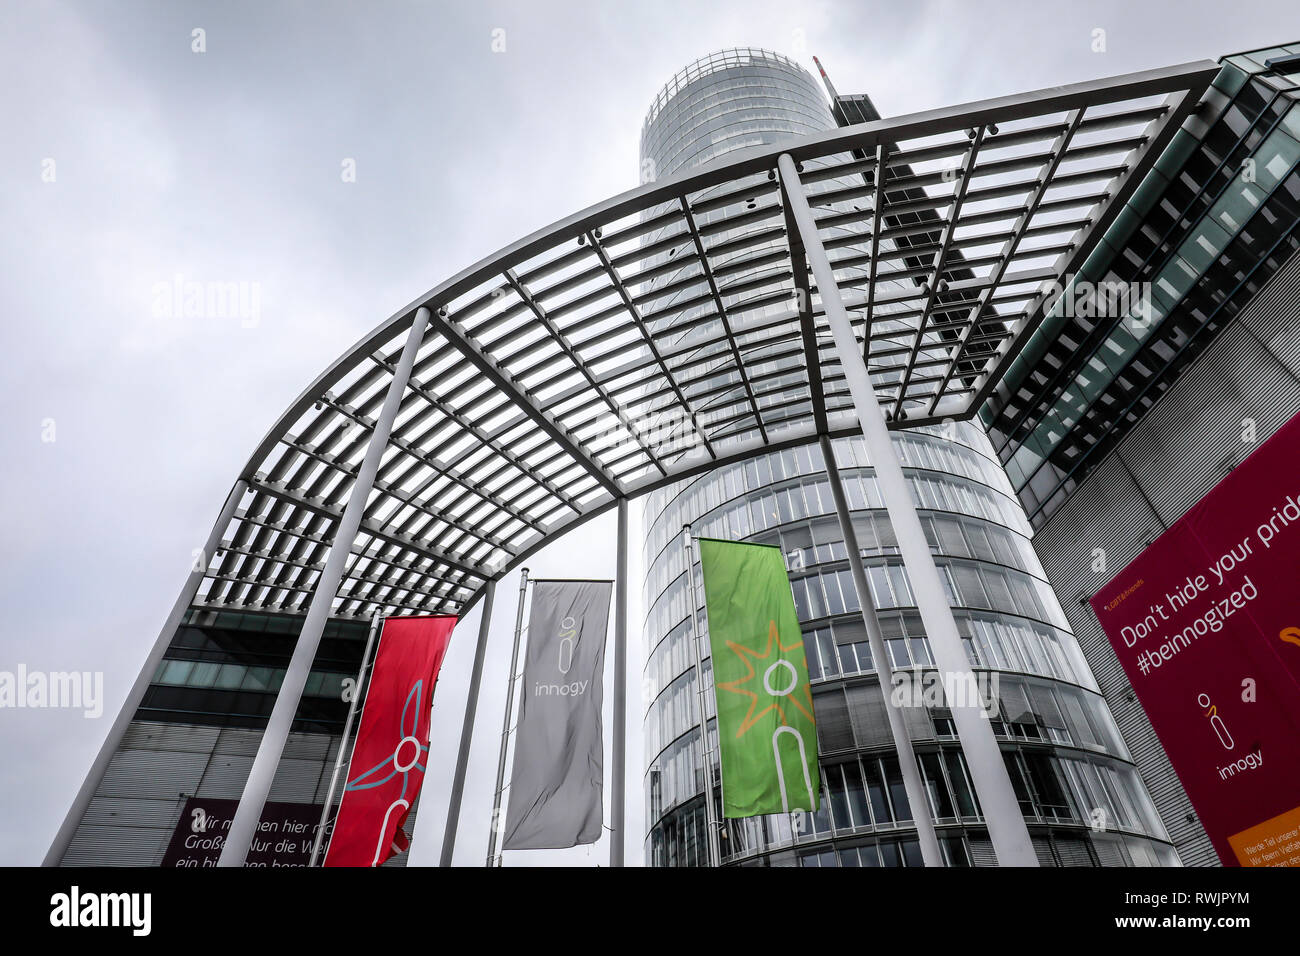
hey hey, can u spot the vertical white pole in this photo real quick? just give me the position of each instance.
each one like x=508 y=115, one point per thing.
x=467 y=728
x=260 y=777
x=912 y=783
x=343 y=741
x=715 y=855
x=62 y=839
x=618 y=798
x=497 y=819
x=989 y=775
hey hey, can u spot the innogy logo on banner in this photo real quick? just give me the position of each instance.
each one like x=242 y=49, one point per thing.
x=568 y=635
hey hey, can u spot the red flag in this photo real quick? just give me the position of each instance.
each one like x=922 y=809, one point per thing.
x=392 y=748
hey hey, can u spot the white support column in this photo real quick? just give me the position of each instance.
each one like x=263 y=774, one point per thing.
x=618 y=772
x=992 y=784
x=262 y=774
x=467 y=728
x=54 y=856
x=912 y=783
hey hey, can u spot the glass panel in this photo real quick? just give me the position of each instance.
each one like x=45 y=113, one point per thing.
x=880 y=810
x=175 y=672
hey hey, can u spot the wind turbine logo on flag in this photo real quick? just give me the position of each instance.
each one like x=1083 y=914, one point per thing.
x=767 y=734
x=405 y=757
x=781 y=689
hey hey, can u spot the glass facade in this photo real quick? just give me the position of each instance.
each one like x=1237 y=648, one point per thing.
x=1210 y=224
x=1111 y=429
x=224 y=668
x=1077 y=786
x=728 y=101
x=199 y=726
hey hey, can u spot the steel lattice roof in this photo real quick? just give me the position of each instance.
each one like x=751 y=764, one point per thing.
x=660 y=334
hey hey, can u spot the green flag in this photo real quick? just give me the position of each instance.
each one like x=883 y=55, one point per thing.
x=766 y=729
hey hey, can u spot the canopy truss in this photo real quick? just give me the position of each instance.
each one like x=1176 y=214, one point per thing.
x=660 y=333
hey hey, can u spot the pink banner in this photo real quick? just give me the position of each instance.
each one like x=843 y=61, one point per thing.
x=392 y=749
x=1206 y=623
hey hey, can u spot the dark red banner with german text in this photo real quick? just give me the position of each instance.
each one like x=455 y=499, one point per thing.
x=392 y=749
x=1207 y=625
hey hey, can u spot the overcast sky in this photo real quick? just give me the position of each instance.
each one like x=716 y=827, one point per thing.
x=225 y=166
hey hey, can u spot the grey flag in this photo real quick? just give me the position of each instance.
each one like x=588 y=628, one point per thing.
x=559 y=768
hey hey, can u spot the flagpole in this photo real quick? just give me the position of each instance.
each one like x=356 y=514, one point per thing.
x=343 y=741
x=505 y=725
x=467 y=728
x=618 y=799
x=712 y=835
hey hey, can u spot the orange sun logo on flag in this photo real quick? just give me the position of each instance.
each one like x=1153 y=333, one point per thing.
x=779 y=680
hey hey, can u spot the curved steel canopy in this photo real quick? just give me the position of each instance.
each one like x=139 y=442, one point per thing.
x=659 y=334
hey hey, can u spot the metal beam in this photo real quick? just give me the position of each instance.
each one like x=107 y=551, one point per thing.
x=411 y=497
x=721 y=308
x=1008 y=251
x=807 y=322
x=506 y=383
x=558 y=337
x=877 y=217
x=989 y=775
x=912 y=783
x=467 y=727
x=319 y=507
x=1179 y=106
x=639 y=321
x=491 y=440
x=260 y=777
x=940 y=263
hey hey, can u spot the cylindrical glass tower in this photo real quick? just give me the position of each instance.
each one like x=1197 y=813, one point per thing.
x=1080 y=793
